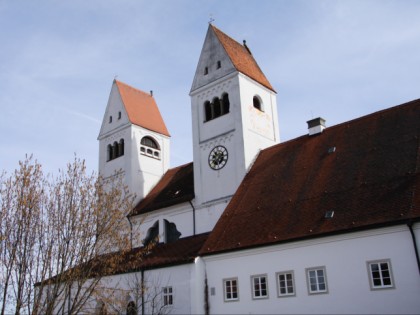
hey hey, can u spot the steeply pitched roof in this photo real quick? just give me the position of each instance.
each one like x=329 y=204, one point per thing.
x=242 y=58
x=370 y=179
x=176 y=186
x=141 y=108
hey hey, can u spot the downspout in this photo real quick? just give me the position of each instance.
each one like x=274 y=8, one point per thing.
x=142 y=291
x=193 y=208
x=131 y=232
x=413 y=236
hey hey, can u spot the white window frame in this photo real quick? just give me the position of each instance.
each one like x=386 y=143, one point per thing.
x=228 y=283
x=168 y=296
x=259 y=284
x=318 y=284
x=292 y=279
x=379 y=263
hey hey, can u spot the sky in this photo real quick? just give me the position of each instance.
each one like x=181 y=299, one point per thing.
x=336 y=59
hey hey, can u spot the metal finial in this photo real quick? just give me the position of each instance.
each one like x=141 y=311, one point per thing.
x=211 y=18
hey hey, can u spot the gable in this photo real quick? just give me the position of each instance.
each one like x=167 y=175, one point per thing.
x=222 y=55
x=365 y=172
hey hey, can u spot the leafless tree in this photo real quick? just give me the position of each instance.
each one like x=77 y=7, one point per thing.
x=55 y=235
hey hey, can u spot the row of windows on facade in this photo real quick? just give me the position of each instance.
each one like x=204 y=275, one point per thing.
x=110 y=117
x=221 y=106
x=218 y=66
x=380 y=277
x=148 y=147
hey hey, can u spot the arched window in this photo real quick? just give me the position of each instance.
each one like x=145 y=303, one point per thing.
x=225 y=103
x=121 y=148
x=207 y=109
x=109 y=152
x=257 y=102
x=149 y=142
x=115 y=150
x=217 y=107
x=149 y=147
x=131 y=308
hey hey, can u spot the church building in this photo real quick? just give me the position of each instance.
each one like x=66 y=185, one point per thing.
x=326 y=223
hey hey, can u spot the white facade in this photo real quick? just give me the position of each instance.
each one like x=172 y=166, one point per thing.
x=344 y=258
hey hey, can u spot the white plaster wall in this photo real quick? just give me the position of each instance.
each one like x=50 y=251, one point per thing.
x=146 y=171
x=208 y=215
x=344 y=258
x=261 y=129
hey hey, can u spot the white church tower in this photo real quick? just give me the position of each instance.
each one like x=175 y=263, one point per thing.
x=133 y=139
x=234 y=116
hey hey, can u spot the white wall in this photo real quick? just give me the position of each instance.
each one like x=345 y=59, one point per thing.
x=345 y=259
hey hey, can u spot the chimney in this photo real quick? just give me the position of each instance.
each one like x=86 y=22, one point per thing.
x=316 y=126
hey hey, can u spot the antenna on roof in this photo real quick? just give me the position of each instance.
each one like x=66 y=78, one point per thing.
x=151 y=92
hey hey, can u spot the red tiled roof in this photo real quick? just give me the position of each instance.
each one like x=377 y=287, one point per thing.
x=242 y=58
x=372 y=179
x=183 y=251
x=176 y=186
x=142 y=109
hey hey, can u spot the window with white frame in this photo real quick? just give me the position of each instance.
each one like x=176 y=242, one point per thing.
x=380 y=274
x=259 y=287
x=231 y=289
x=317 y=280
x=168 y=298
x=285 y=283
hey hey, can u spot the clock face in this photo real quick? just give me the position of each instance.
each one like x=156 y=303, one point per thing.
x=218 y=157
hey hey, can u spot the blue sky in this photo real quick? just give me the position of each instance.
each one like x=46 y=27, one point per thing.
x=335 y=59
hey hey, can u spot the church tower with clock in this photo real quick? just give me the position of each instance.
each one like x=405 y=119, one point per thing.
x=234 y=116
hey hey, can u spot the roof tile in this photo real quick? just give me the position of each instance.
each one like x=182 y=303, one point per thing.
x=142 y=109
x=242 y=58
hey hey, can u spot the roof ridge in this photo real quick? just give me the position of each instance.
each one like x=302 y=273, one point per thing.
x=381 y=111
x=133 y=88
x=248 y=64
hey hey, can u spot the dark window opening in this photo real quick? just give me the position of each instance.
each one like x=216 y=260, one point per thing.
x=110 y=119
x=217 y=108
x=208 y=110
x=121 y=148
x=143 y=149
x=225 y=104
x=206 y=70
x=131 y=308
x=171 y=232
x=219 y=64
x=119 y=115
x=115 y=150
x=152 y=234
x=257 y=103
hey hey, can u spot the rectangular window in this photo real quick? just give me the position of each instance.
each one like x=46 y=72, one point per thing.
x=380 y=274
x=259 y=287
x=285 y=283
x=317 y=280
x=231 y=289
x=168 y=298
